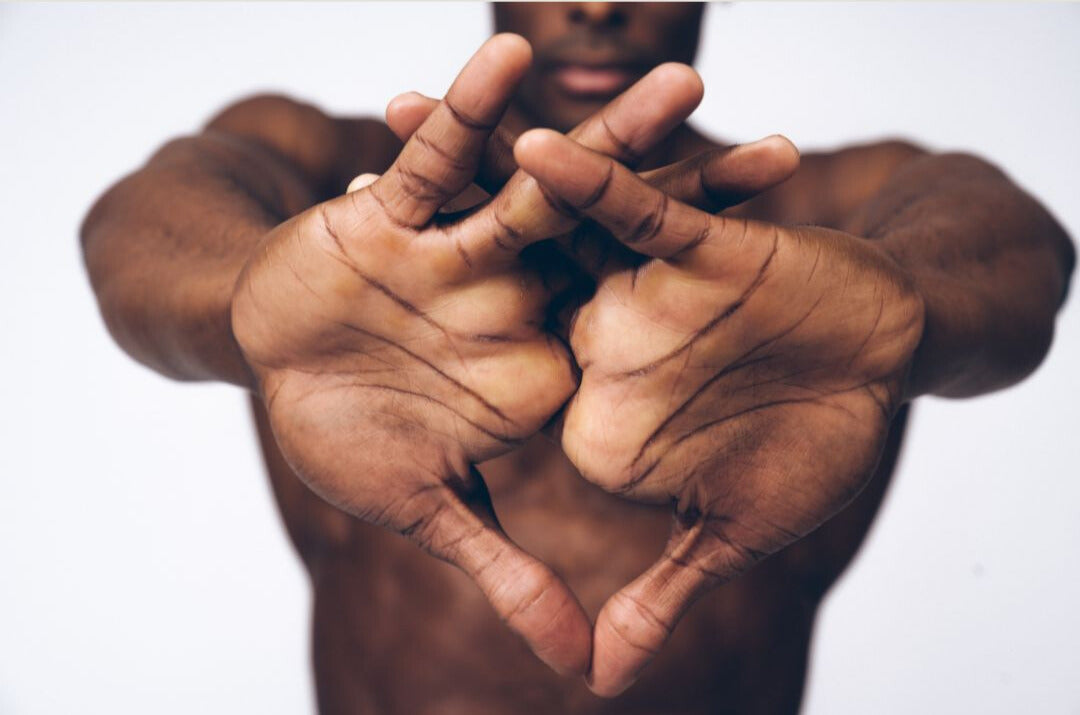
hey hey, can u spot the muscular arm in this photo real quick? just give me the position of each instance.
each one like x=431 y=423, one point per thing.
x=164 y=246
x=764 y=361
x=990 y=263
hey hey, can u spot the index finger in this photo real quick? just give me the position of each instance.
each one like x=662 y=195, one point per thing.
x=441 y=157
x=638 y=215
x=625 y=129
x=406 y=112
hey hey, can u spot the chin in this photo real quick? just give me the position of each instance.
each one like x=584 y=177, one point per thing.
x=561 y=113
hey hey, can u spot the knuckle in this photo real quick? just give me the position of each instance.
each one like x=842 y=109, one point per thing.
x=727 y=555
x=419 y=186
x=636 y=624
x=422 y=525
x=645 y=613
x=556 y=204
x=600 y=189
x=498 y=159
x=618 y=147
x=504 y=234
x=530 y=583
x=436 y=153
x=465 y=119
x=651 y=223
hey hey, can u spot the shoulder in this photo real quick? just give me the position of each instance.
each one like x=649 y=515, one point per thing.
x=328 y=149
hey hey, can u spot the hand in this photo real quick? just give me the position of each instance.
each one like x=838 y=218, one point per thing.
x=395 y=347
x=746 y=374
x=638 y=119
x=392 y=357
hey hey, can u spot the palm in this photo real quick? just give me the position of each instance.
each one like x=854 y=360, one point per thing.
x=755 y=395
x=444 y=376
x=394 y=348
x=746 y=373
x=396 y=345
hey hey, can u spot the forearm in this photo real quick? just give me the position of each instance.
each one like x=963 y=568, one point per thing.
x=991 y=265
x=164 y=247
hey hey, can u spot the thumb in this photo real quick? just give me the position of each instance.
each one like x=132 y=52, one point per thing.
x=459 y=526
x=637 y=621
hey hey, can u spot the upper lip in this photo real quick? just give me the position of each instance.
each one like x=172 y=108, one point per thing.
x=594 y=64
x=593 y=58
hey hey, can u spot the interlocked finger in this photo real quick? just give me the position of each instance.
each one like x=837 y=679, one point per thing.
x=643 y=218
x=407 y=112
x=442 y=156
x=721 y=178
x=632 y=124
x=712 y=180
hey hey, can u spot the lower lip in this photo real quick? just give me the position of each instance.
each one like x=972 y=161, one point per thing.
x=592 y=81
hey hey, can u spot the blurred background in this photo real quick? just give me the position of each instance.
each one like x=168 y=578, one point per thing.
x=142 y=564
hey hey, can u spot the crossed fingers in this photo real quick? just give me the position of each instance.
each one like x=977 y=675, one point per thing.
x=543 y=185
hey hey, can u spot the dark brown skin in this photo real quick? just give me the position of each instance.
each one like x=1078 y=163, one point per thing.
x=749 y=372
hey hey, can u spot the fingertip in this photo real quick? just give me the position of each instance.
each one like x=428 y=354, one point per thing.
x=752 y=167
x=573 y=655
x=552 y=622
x=616 y=662
x=607 y=689
x=406 y=101
x=533 y=601
x=607 y=685
x=532 y=143
x=781 y=144
x=407 y=111
x=513 y=42
x=783 y=155
x=677 y=74
x=512 y=48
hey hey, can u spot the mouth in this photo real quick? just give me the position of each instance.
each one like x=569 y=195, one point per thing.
x=584 y=67
x=583 y=81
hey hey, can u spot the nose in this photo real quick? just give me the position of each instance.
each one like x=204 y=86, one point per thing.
x=597 y=15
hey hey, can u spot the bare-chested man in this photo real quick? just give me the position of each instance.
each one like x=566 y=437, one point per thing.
x=657 y=358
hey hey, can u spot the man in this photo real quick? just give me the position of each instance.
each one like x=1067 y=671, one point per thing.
x=730 y=336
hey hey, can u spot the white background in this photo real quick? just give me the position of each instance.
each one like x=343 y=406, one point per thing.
x=142 y=565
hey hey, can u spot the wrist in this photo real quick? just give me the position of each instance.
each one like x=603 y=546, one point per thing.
x=212 y=350
x=241 y=370
x=957 y=320
x=916 y=345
